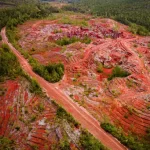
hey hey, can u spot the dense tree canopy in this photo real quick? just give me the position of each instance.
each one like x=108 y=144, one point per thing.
x=125 y=11
x=10 y=17
x=10 y=69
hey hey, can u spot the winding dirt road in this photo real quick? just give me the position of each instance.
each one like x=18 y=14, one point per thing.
x=78 y=112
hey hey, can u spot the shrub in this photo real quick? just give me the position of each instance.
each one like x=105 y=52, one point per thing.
x=62 y=114
x=118 y=72
x=130 y=141
x=40 y=107
x=35 y=87
x=64 y=145
x=88 y=142
x=6 y=144
x=86 y=40
x=51 y=72
x=34 y=147
x=33 y=118
x=9 y=64
x=5 y=47
x=17 y=15
x=99 y=68
x=67 y=41
x=137 y=29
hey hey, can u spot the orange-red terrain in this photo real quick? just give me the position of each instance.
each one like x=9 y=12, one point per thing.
x=79 y=113
x=125 y=101
x=31 y=121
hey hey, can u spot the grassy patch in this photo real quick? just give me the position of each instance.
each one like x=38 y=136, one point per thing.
x=67 y=41
x=118 y=72
x=99 y=68
x=73 y=21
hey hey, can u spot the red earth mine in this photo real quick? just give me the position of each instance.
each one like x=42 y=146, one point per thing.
x=88 y=65
x=125 y=101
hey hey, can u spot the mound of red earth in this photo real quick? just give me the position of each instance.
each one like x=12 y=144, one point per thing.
x=125 y=101
x=30 y=120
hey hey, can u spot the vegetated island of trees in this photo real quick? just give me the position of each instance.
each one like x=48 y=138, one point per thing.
x=135 y=13
x=51 y=72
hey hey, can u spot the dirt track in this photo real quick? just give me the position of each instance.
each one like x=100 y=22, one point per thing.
x=79 y=113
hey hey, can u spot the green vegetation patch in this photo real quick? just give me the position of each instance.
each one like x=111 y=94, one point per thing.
x=67 y=41
x=132 y=142
x=9 y=65
x=6 y=144
x=21 y=13
x=10 y=69
x=99 y=68
x=73 y=21
x=51 y=72
x=88 y=142
x=125 y=11
x=148 y=133
x=118 y=72
x=62 y=114
x=137 y=29
x=64 y=144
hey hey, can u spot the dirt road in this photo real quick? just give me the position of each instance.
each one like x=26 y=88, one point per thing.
x=78 y=112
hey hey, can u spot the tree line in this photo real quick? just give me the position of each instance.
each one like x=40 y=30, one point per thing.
x=11 y=17
x=135 y=13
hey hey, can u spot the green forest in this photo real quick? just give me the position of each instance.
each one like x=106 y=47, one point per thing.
x=135 y=13
x=11 y=17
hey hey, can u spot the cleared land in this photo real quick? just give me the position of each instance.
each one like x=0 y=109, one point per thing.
x=89 y=65
x=106 y=70
x=81 y=115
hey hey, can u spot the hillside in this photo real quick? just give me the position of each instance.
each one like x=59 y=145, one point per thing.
x=106 y=68
x=29 y=119
x=71 y=69
x=125 y=11
x=16 y=1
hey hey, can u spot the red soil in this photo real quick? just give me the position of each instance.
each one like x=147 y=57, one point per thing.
x=16 y=99
x=124 y=101
x=80 y=114
x=121 y=48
